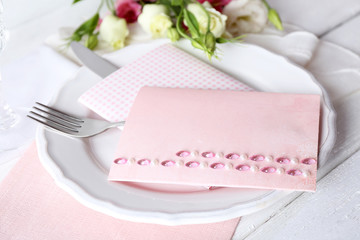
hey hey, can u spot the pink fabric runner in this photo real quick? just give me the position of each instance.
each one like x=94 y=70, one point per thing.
x=32 y=206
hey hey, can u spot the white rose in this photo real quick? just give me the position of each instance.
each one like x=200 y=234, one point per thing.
x=217 y=20
x=154 y=20
x=245 y=16
x=113 y=30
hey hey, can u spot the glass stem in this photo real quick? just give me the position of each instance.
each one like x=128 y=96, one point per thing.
x=8 y=118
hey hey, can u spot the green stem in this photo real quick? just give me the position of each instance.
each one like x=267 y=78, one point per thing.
x=110 y=5
x=207 y=14
x=178 y=21
x=100 y=6
x=266 y=4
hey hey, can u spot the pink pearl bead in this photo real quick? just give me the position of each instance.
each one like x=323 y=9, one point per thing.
x=217 y=165
x=183 y=153
x=294 y=172
x=144 y=162
x=232 y=156
x=309 y=161
x=192 y=164
x=268 y=170
x=208 y=154
x=283 y=160
x=257 y=158
x=168 y=163
x=120 y=161
x=243 y=167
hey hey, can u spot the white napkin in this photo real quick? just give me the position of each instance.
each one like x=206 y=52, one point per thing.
x=35 y=77
x=58 y=41
x=297 y=46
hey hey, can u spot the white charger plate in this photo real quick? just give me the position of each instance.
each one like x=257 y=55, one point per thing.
x=80 y=166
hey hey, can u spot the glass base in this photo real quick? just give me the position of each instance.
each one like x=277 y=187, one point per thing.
x=15 y=134
x=8 y=118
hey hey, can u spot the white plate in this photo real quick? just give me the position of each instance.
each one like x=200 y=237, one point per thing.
x=79 y=165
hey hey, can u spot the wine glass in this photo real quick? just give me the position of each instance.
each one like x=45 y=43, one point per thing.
x=7 y=116
x=9 y=120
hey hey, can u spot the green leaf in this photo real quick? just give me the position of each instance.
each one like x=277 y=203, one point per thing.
x=92 y=41
x=179 y=28
x=87 y=28
x=207 y=14
x=222 y=40
x=75 y=1
x=176 y=2
x=192 y=24
x=197 y=43
x=204 y=42
x=266 y=4
x=166 y=3
x=231 y=40
x=210 y=42
x=75 y=37
x=193 y=19
x=274 y=18
x=173 y=34
x=176 y=9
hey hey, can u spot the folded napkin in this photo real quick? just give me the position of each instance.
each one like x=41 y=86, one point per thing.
x=220 y=138
x=33 y=207
x=298 y=46
x=113 y=97
x=40 y=74
x=165 y=66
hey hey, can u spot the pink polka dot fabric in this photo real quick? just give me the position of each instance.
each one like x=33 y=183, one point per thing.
x=165 y=66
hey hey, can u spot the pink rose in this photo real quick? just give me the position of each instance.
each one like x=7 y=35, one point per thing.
x=217 y=4
x=128 y=9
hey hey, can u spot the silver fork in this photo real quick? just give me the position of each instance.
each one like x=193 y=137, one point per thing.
x=67 y=124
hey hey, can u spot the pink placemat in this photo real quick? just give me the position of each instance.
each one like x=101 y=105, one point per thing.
x=32 y=206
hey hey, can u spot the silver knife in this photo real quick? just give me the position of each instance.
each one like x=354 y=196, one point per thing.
x=94 y=62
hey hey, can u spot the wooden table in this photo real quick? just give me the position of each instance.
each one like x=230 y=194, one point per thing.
x=333 y=212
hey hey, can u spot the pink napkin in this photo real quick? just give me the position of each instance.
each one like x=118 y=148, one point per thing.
x=32 y=206
x=165 y=66
x=264 y=140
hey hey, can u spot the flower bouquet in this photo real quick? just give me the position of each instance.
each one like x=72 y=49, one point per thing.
x=205 y=23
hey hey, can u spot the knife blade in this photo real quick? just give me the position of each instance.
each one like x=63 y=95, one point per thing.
x=94 y=62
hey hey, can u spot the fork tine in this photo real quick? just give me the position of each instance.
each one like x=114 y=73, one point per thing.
x=52 y=122
x=59 y=113
x=53 y=126
x=60 y=118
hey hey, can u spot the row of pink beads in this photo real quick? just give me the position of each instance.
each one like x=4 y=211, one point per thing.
x=256 y=158
x=217 y=165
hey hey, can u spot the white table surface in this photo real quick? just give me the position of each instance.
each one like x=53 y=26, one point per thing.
x=333 y=212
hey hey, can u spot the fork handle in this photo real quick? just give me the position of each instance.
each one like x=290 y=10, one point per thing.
x=116 y=124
